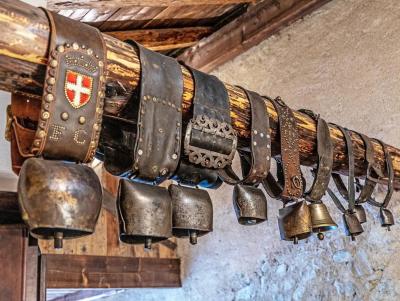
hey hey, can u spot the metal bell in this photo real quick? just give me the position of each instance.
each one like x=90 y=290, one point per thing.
x=295 y=222
x=321 y=219
x=352 y=225
x=58 y=199
x=192 y=212
x=360 y=213
x=250 y=204
x=387 y=218
x=145 y=213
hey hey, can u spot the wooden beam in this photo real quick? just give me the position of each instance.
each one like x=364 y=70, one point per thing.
x=106 y=4
x=23 y=50
x=258 y=23
x=77 y=271
x=165 y=38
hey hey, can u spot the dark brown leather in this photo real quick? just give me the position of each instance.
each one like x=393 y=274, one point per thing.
x=191 y=211
x=290 y=157
x=250 y=204
x=349 y=193
x=210 y=139
x=325 y=160
x=144 y=212
x=260 y=145
x=72 y=105
x=159 y=129
x=390 y=175
x=195 y=175
x=56 y=196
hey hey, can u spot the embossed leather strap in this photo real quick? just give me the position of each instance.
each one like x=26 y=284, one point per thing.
x=290 y=157
x=72 y=104
x=350 y=193
x=325 y=160
x=159 y=128
x=210 y=139
x=390 y=174
x=260 y=145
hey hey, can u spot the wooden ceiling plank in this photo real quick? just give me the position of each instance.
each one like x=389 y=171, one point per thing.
x=75 y=4
x=97 y=16
x=164 y=39
x=258 y=23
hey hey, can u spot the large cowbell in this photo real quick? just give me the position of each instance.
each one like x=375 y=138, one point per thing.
x=192 y=212
x=145 y=213
x=58 y=199
x=321 y=219
x=352 y=225
x=250 y=204
x=386 y=217
x=295 y=222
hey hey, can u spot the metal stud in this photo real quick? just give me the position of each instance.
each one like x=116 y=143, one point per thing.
x=64 y=116
x=82 y=120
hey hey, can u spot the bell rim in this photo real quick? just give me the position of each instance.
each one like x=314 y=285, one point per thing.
x=134 y=239
x=66 y=232
x=325 y=228
x=258 y=220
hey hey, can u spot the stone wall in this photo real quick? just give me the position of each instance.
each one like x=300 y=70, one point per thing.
x=342 y=62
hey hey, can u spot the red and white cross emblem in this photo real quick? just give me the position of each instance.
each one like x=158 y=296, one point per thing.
x=78 y=88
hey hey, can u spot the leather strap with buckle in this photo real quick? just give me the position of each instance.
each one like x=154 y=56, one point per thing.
x=260 y=146
x=289 y=186
x=210 y=139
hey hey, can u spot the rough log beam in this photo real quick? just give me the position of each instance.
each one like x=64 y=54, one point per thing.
x=254 y=26
x=164 y=38
x=23 y=48
x=74 y=4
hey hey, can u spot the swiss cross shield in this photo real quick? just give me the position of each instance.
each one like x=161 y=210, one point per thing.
x=78 y=88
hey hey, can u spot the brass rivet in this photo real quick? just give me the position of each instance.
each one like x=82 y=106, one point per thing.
x=95 y=126
x=60 y=48
x=254 y=143
x=255 y=132
x=90 y=51
x=53 y=63
x=75 y=46
x=101 y=64
x=262 y=135
x=49 y=97
x=82 y=120
x=140 y=152
x=164 y=171
x=268 y=146
x=83 y=46
x=64 y=116
x=45 y=115
x=51 y=80
x=174 y=156
x=41 y=134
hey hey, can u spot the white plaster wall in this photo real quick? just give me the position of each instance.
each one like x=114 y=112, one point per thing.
x=343 y=62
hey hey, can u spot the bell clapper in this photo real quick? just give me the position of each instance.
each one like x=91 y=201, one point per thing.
x=321 y=236
x=295 y=240
x=353 y=238
x=388 y=228
x=193 y=237
x=147 y=243
x=58 y=240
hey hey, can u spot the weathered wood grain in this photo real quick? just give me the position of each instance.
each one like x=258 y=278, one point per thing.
x=74 y=271
x=163 y=38
x=23 y=47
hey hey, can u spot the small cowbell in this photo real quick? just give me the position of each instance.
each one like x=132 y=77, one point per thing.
x=192 y=212
x=145 y=213
x=295 y=222
x=58 y=199
x=352 y=225
x=321 y=219
x=250 y=204
x=386 y=217
x=360 y=213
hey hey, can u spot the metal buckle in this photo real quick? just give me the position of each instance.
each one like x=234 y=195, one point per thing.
x=205 y=157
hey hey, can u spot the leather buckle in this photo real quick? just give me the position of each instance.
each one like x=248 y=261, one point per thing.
x=211 y=130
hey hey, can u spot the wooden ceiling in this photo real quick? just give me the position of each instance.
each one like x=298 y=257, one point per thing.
x=201 y=33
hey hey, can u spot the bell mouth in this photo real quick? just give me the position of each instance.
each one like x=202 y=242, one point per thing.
x=140 y=239
x=182 y=233
x=48 y=233
x=324 y=228
x=250 y=221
